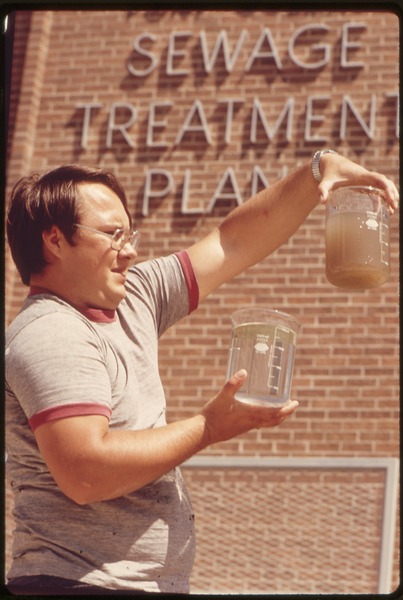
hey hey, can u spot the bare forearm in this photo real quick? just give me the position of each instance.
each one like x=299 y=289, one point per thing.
x=138 y=458
x=254 y=230
x=91 y=463
x=120 y=462
x=130 y=460
x=268 y=219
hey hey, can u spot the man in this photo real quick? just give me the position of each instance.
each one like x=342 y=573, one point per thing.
x=100 y=505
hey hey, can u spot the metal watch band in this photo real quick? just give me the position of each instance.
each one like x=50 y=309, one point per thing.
x=316 y=162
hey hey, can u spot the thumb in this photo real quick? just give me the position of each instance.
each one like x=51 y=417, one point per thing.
x=323 y=189
x=236 y=381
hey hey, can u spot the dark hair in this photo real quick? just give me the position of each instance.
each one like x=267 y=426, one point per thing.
x=39 y=202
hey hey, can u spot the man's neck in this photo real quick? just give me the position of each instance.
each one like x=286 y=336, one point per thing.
x=98 y=315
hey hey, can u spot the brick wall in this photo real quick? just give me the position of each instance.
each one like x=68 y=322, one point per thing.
x=290 y=531
x=347 y=363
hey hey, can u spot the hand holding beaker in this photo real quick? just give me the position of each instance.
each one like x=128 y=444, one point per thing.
x=357 y=238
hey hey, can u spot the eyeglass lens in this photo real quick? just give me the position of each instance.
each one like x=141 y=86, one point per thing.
x=121 y=238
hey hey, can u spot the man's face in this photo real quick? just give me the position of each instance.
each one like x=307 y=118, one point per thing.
x=96 y=273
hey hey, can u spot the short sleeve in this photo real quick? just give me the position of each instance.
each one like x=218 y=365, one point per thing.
x=166 y=287
x=55 y=366
x=190 y=278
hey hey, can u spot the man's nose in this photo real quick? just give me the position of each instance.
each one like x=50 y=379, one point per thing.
x=128 y=251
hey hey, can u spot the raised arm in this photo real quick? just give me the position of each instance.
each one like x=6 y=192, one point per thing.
x=266 y=221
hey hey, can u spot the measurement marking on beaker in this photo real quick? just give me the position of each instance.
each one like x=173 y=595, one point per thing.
x=384 y=244
x=275 y=369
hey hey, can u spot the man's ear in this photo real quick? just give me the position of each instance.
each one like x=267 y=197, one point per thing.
x=53 y=242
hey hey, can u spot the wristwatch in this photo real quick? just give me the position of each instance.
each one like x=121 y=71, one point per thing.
x=316 y=162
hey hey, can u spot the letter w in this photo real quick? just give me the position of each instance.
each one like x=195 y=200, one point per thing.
x=221 y=41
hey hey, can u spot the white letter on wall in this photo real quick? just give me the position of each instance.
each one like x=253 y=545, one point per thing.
x=230 y=114
x=397 y=125
x=149 y=193
x=368 y=129
x=137 y=47
x=311 y=117
x=228 y=175
x=113 y=126
x=221 y=41
x=257 y=110
x=87 y=106
x=346 y=45
x=153 y=123
x=203 y=127
x=172 y=53
x=257 y=53
x=325 y=47
x=259 y=181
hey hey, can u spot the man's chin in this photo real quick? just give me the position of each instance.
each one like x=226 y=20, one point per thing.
x=117 y=298
x=112 y=301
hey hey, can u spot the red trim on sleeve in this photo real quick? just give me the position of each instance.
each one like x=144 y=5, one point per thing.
x=68 y=410
x=190 y=278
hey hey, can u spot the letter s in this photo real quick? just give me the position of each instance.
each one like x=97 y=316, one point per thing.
x=138 y=48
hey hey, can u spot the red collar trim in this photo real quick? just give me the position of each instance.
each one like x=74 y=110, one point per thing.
x=97 y=315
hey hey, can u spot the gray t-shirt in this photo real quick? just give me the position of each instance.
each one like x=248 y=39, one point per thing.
x=60 y=363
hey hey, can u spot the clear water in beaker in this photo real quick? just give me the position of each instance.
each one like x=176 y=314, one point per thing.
x=263 y=342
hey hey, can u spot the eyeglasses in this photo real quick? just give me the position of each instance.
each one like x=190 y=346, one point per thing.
x=119 y=238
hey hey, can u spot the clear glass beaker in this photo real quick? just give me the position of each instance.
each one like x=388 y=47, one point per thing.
x=263 y=342
x=357 y=238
